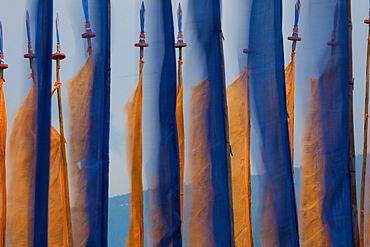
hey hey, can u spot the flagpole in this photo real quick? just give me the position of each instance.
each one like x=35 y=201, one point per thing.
x=180 y=119
x=293 y=38
x=58 y=56
x=364 y=154
x=30 y=55
x=2 y=151
x=248 y=162
x=352 y=163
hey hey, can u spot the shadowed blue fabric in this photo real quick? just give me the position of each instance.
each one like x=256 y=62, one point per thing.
x=167 y=195
x=206 y=16
x=334 y=102
x=276 y=210
x=97 y=170
x=44 y=37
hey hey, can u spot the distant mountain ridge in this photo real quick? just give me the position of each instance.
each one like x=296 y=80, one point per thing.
x=119 y=208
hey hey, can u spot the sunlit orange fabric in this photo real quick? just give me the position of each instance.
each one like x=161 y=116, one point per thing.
x=79 y=92
x=133 y=109
x=57 y=225
x=181 y=138
x=239 y=131
x=201 y=190
x=289 y=83
x=3 y=128
x=312 y=227
x=22 y=163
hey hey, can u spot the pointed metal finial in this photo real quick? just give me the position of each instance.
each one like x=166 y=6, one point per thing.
x=2 y=64
x=180 y=35
x=142 y=31
x=295 y=37
x=58 y=55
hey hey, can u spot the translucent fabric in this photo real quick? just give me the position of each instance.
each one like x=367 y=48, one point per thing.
x=326 y=174
x=133 y=110
x=289 y=82
x=238 y=103
x=201 y=228
x=22 y=169
x=276 y=210
x=88 y=139
x=57 y=222
x=205 y=18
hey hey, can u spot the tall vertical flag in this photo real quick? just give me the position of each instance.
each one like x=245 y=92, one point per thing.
x=239 y=128
x=89 y=131
x=276 y=207
x=134 y=108
x=165 y=199
x=211 y=213
x=30 y=137
x=179 y=108
x=289 y=80
x=326 y=195
x=3 y=129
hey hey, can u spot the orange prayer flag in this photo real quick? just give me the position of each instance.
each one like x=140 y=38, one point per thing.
x=79 y=92
x=289 y=84
x=201 y=189
x=22 y=163
x=134 y=151
x=313 y=230
x=239 y=131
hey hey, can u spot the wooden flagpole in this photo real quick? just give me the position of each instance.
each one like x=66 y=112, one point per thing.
x=364 y=154
x=2 y=151
x=58 y=56
x=180 y=117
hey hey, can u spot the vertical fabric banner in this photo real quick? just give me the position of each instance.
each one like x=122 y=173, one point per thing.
x=289 y=82
x=313 y=230
x=238 y=103
x=327 y=162
x=89 y=129
x=165 y=199
x=201 y=229
x=134 y=150
x=22 y=162
x=206 y=18
x=30 y=141
x=276 y=210
x=43 y=48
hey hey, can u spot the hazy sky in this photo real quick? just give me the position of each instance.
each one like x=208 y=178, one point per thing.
x=125 y=31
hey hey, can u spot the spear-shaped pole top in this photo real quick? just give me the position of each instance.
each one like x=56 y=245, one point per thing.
x=88 y=32
x=142 y=42
x=295 y=37
x=2 y=64
x=58 y=55
x=180 y=36
x=30 y=53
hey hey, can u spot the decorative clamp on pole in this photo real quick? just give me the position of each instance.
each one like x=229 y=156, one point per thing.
x=30 y=55
x=142 y=43
x=295 y=36
x=333 y=40
x=180 y=37
x=88 y=32
x=2 y=64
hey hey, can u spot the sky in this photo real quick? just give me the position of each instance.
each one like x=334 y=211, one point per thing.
x=125 y=58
